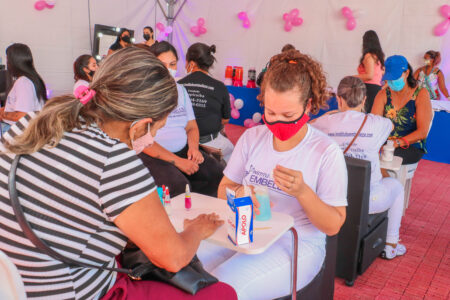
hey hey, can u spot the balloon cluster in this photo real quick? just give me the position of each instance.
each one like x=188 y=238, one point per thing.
x=442 y=27
x=348 y=14
x=200 y=28
x=256 y=118
x=163 y=31
x=236 y=105
x=41 y=4
x=244 y=18
x=292 y=19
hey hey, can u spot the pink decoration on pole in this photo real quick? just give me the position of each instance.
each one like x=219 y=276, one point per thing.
x=160 y=26
x=292 y=19
x=199 y=29
x=244 y=18
x=163 y=31
x=40 y=5
x=348 y=14
x=442 y=27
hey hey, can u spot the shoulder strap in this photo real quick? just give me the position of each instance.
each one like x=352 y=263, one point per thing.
x=357 y=134
x=29 y=233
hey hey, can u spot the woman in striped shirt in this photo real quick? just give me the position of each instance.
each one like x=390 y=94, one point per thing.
x=83 y=189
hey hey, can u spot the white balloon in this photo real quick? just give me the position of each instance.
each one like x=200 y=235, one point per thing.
x=238 y=103
x=256 y=117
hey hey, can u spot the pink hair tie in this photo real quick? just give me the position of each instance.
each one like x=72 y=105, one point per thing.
x=84 y=94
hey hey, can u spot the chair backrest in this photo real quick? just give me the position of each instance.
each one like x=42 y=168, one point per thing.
x=11 y=285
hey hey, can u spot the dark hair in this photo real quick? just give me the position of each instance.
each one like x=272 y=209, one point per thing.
x=371 y=44
x=201 y=54
x=294 y=70
x=149 y=28
x=435 y=56
x=163 y=47
x=120 y=35
x=287 y=47
x=81 y=62
x=411 y=81
x=352 y=90
x=20 y=63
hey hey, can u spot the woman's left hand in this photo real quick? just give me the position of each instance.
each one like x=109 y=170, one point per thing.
x=195 y=155
x=289 y=181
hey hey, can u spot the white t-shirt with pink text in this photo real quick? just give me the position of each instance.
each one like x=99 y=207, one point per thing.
x=317 y=156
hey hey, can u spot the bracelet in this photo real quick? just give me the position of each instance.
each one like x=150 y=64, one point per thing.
x=406 y=142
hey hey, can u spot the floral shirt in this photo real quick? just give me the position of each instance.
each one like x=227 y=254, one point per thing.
x=404 y=119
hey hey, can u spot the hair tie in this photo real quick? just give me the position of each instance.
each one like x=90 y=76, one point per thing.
x=84 y=94
x=293 y=62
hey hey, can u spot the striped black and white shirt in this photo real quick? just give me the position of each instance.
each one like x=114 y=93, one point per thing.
x=71 y=195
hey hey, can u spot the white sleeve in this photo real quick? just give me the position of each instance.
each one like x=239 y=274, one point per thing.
x=235 y=169
x=332 y=181
x=25 y=96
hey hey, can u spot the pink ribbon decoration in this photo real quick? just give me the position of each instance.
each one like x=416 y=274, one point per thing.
x=84 y=94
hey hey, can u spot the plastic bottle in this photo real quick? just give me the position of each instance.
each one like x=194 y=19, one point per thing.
x=387 y=154
x=167 y=204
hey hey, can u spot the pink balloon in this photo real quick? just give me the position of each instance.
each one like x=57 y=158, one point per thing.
x=442 y=28
x=231 y=97
x=200 y=22
x=286 y=17
x=39 y=5
x=50 y=4
x=252 y=124
x=351 y=24
x=160 y=26
x=235 y=114
x=287 y=27
x=294 y=13
x=168 y=29
x=202 y=30
x=347 y=12
x=248 y=122
x=297 y=21
x=242 y=15
x=445 y=11
x=246 y=23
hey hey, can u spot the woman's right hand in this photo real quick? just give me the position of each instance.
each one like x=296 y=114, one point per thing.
x=205 y=224
x=186 y=166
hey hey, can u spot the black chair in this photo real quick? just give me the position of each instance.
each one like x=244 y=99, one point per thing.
x=322 y=285
x=362 y=237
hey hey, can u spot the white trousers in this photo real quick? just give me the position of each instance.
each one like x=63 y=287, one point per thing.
x=266 y=275
x=389 y=195
x=222 y=143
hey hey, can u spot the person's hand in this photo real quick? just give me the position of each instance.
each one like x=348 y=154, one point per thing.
x=195 y=155
x=205 y=224
x=186 y=166
x=289 y=181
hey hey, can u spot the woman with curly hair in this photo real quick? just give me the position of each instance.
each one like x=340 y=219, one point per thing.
x=304 y=172
x=409 y=108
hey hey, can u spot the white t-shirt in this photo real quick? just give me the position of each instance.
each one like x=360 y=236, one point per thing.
x=22 y=98
x=318 y=158
x=79 y=83
x=173 y=135
x=342 y=127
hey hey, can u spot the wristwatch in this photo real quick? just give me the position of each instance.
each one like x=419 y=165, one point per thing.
x=397 y=141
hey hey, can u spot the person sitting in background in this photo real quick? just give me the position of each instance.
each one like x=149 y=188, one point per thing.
x=84 y=68
x=260 y=77
x=371 y=67
x=431 y=77
x=123 y=40
x=210 y=98
x=305 y=174
x=28 y=93
x=86 y=192
x=175 y=159
x=408 y=107
x=148 y=36
x=385 y=193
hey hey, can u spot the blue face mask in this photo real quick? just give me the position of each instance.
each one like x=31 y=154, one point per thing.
x=396 y=85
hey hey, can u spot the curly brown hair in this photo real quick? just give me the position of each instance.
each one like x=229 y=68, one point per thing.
x=294 y=70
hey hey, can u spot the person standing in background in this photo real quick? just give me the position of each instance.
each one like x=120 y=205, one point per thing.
x=210 y=98
x=84 y=68
x=28 y=93
x=148 y=36
x=431 y=77
x=371 y=67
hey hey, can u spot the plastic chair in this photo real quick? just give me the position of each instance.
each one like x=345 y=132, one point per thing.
x=11 y=285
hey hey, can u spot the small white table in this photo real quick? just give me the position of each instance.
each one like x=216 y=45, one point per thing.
x=393 y=165
x=265 y=233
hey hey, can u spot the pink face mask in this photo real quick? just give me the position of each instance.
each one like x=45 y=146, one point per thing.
x=143 y=142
